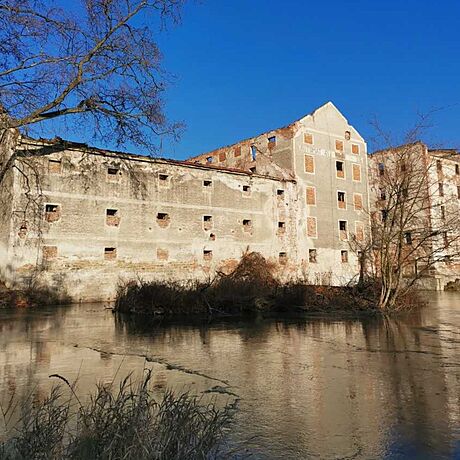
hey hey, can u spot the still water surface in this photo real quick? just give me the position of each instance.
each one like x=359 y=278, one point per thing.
x=310 y=388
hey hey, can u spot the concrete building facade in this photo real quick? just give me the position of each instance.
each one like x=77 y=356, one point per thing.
x=83 y=218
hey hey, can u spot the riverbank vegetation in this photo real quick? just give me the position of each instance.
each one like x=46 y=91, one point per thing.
x=125 y=424
x=251 y=287
x=31 y=296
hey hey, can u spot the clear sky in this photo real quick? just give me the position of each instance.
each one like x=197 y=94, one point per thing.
x=246 y=66
x=243 y=67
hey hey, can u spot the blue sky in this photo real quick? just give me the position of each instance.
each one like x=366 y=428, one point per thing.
x=243 y=67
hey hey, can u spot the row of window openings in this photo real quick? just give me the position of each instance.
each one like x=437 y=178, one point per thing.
x=383 y=195
x=439 y=167
x=339 y=168
x=313 y=256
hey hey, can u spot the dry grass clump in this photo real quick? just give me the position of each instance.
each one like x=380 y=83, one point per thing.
x=125 y=424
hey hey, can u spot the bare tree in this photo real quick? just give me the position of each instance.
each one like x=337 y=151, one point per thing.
x=94 y=62
x=414 y=216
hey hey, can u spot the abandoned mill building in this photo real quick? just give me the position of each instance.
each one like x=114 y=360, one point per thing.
x=83 y=219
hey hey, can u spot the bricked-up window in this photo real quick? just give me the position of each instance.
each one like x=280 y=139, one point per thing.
x=52 y=212
x=253 y=152
x=381 y=168
x=308 y=138
x=49 y=252
x=237 y=151
x=209 y=159
x=163 y=219
x=162 y=254
x=281 y=227
x=246 y=189
x=54 y=166
x=312 y=256
x=207 y=183
x=338 y=145
x=311 y=227
x=247 y=225
x=341 y=200
x=343 y=230
x=359 y=231
x=441 y=189
x=457 y=169
x=358 y=201
x=443 y=213
x=439 y=166
x=207 y=222
x=222 y=156
x=309 y=164
x=340 y=169
x=112 y=217
x=311 y=196
x=355 y=149
x=207 y=254
x=272 y=140
x=344 y=256
x=110 y=253
x=282 y=257
x=356 y=172
x=408 y=238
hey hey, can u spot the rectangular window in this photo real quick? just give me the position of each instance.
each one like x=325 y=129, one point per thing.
x=443 y=213
x=112 y=218
x=272 y=140
x=162 y=254
x=356 y=169
x=441 y=189
x=383 y=194
x=113 y=174
x=207 y=183
x=163 y=177
x=384 y=214
x=163 y=219
x=355 y=149
x=253 y=152
x=458 y=191
x=445 y=237
x=340 y=169
x=358 y=201
x=280 y=193
x=457 y=170
x=344 y=256
x=341 y=200
x=110 y=253
x=309 y=164
x=207 y=222
x=282 y=257
x=381 y=169
x=343 y=230
x=49 y=252
x=312 y=231
x=359 y=231
x=207 y=254
x=308 y=138
x=52 y=212
x=408 y=238
x=439 y=166
x=247 y=225
x=338 y=146
x=237 y=151
x=281 y=228
x=311 y=196
x=312 y=256
x=54 y=166
x=246 y=189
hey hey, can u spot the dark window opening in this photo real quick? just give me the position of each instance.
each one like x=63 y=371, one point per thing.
x=247 y=225
x=163 y=177
x=312 y=256
x=207 y=183
x=458 y=191
x=272 y=140
x=207 y=254
x=208 y=159
x=253 y=170
x=446 y=239
x=343 y=225
x=110 y=253
x=282 y=256
x=207 y=222
x=253 y=152
x=457 y=170
x=443 y=213
x=441 y=189
x=207 y=218
x=384 y=213
x=381 y=169
x=212 y=237
x=112 y=171
x=439 y=165
x=280 y=192
x=383 y=194
x=341 y=196
x=344 y=256
x=408 y=238
x=111 y=212
x=51 y=208
x=162 y=216
x=52 y=212
x=246 y=188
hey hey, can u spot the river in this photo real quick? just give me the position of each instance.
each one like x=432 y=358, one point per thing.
x=309 y=388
